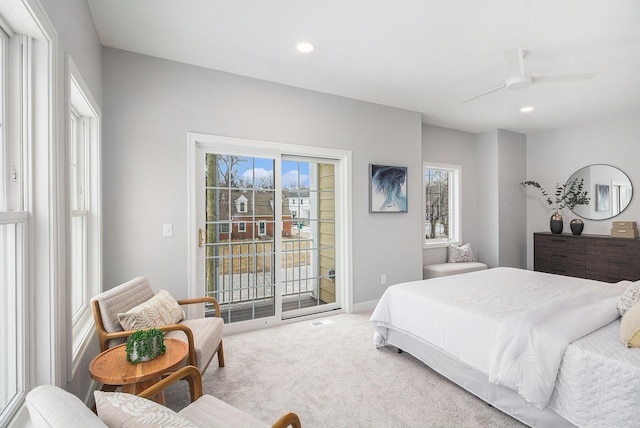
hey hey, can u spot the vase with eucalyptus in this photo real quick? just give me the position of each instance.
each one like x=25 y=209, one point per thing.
x=568 y=195
x=145 y=345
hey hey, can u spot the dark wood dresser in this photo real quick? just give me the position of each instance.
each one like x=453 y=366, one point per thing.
x=598 y=257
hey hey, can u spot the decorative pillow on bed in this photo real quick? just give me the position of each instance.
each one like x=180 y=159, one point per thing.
x=462 y=253
x=630 y=327
x=630 y=296
x=161 y=309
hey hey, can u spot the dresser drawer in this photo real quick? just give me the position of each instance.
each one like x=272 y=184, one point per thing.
x=613 y=260
x=559 y=255
x=558 y=245
x=617 y=248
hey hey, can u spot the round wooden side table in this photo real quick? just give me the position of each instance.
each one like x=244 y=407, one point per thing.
x=112 y=368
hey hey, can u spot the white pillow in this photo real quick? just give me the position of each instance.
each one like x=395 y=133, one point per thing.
x=118 y=409
x=462 y=253
x=161 y=309
x=630 y=296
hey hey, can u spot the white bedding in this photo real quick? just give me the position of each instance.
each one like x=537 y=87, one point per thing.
x=599 y=381
x=490 y=320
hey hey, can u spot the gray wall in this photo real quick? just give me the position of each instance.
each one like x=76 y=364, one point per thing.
x=493 y=205
x=501 y=202
x=488 y=213
x=442 y=145
x=553 y=156
x=511 y=199
x=149 y=106
x=78 y=39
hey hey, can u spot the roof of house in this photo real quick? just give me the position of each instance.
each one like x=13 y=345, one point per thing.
x=259 y=203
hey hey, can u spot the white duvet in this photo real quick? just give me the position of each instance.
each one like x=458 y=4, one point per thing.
x=512 y=324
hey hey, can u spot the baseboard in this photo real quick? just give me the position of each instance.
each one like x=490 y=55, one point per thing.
x=365 y=306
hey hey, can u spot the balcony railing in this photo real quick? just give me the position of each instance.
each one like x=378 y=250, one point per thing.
x=244 y=271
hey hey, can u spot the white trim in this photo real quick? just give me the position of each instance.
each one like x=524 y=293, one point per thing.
x=455 y=205
x=79 y=98
x=43 y=312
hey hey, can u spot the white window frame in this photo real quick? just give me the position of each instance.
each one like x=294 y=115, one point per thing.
x=242 y=227
x=84 y=248
x=455 y=191
x=343 y=206
x=15 y=185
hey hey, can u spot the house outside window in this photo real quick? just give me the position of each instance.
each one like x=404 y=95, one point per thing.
x=441 y=193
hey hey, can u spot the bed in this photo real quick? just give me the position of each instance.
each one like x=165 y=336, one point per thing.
x=543 y=348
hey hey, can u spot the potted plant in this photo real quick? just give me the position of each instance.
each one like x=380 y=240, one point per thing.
x=145 y=345
x=567 y=195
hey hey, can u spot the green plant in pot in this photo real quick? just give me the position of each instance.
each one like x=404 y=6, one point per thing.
x=568 y=195
x=145 y=345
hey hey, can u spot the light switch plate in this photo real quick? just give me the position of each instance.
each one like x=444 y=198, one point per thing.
x=167 y=229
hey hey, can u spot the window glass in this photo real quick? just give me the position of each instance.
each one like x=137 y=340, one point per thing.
x=84 y=176
x=441 y=203
x=13 y=224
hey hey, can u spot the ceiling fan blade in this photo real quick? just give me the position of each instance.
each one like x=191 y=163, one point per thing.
x=561 y=78
x=481 y=94
x=514 y=58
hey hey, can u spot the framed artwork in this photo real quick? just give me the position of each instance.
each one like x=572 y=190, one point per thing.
x=387 y=189
x=602 y=197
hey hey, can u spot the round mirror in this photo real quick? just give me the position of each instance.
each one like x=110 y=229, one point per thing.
x=610 y=191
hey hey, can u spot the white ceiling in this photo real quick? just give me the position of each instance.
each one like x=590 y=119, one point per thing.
x=420 y=55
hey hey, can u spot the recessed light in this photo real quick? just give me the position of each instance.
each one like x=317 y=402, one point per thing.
x=526 y=109
x=305 y=47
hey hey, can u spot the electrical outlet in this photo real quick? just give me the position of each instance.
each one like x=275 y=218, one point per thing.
x=383 y=279
x=167 y=230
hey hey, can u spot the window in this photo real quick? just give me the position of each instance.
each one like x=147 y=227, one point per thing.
x=262 y=228
x=242 y=227
x=441 y=185
x=84 y=176
x=241 y=204
x=14 y=221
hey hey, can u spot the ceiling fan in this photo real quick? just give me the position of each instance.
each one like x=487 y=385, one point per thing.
x=518 y=78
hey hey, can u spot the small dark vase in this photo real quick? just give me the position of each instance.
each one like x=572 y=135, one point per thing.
x=556 y=223
x=576 y=226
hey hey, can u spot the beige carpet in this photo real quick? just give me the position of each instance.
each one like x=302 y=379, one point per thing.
x=332 y=376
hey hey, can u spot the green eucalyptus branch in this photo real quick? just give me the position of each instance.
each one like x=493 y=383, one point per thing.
x=568 y=195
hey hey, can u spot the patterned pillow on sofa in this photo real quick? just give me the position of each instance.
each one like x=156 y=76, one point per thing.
x=462 y=253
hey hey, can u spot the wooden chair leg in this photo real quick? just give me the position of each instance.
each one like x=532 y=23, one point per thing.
x=220 y=355
x=109 y=388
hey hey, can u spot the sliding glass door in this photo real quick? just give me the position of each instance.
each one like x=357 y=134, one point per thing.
x=267 y=235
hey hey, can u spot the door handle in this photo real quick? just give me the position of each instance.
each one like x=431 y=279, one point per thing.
x=202 y=238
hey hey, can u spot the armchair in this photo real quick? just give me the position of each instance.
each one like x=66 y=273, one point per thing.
x=51 y=406
x=203 y=335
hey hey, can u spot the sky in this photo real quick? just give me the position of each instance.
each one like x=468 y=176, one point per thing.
x=294 y=173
